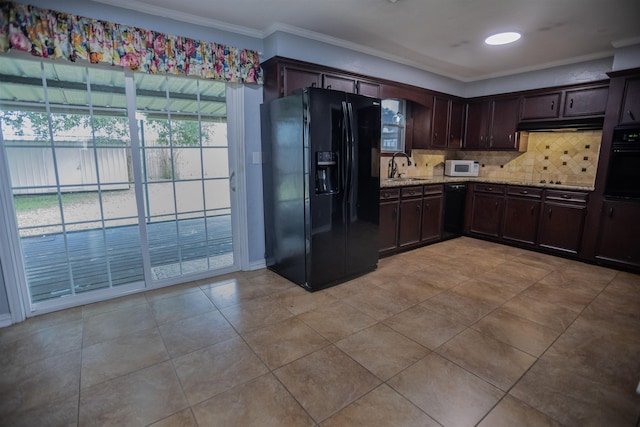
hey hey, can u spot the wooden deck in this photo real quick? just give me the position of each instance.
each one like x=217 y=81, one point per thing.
x=92 y=263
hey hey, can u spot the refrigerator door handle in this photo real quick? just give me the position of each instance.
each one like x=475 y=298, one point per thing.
x=345 y=148
x=350 y=150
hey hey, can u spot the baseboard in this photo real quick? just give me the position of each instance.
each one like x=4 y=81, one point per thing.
x=256 y=265
x=5 y=320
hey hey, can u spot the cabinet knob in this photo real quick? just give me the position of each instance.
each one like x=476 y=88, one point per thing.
x=571 y=103
x=553 y=104
x=489 y=188
x=328 y=86
x=313 y=85
x=631 y=115
x=524 y=192
x=565 y=196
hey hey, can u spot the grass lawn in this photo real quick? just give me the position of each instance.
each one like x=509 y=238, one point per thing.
x=32 y=202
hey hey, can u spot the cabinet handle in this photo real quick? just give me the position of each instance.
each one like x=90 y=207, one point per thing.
x=571 y=103
x=549 y=212
x=328 y=86
x=565 y=196
x=509 y=137
x=532 y=207
x=489 y=188
x=631 y=115
x=496 y=204
x=553 y=104
x=386 y=195
x=610 y=212
x=481 y=138
x=313 y=85
x=524 y=192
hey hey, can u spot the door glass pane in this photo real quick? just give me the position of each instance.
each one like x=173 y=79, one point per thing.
x=71 y=180
x=186 y=174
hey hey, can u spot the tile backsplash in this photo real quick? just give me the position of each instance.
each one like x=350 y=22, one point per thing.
x=569 y=156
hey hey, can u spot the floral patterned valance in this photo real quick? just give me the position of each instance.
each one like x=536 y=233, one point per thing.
x=50 y=34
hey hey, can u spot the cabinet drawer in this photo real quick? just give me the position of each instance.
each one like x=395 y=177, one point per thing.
x=529 y=192
x=411 y=191
x=433 y=189
x=389 y=193
x=567 y=196
x=489 y=188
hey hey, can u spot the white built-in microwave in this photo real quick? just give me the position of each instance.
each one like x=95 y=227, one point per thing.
x=461 y=168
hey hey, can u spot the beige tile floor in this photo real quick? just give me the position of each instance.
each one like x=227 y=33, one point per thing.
x=459 y=333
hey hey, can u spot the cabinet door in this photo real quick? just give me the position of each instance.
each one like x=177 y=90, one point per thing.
x=369 y=89
x=439 y=137
x=486 y=214
x=620 y=233
x=477 y=126
x=561 y=227
x=539 y=107
x=456 y=124
x=388 y=232
x=296 y=78
x=431 y=218
x=343 y=83
x=521 y=220
x=504 y=123
x=630 y=113
x=410 y=215
x=586 y=102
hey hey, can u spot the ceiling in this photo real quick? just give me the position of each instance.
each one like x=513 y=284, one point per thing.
x=442 y=36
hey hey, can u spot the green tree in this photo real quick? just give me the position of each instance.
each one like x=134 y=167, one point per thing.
x=36 y=125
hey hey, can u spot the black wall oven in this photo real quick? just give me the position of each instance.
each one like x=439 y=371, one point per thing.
x=623 y=174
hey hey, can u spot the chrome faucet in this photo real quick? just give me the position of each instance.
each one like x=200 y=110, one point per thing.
x=393 y=168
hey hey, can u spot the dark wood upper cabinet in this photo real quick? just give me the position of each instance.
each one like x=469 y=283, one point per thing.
x=440 y=123
x=296 y=78
x=568 y=103
x=630 y=113
x=541 y=107
x=369 y=88
x=491 y=124
x=504 y=122
x=335 y=82
x=477 y=129
x=456 y=123
x=586 y=102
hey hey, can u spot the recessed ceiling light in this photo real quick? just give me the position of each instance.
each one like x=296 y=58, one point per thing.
x=502 y=38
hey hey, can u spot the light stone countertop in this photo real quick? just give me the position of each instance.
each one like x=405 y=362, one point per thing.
x=404 y=182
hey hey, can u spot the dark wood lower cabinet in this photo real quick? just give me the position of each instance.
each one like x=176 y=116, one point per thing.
x=431 y=218
x=389 y=215
x=410 y=219
x=561 y=227
x=522 y=215
x=487 y=209
x=619 y=240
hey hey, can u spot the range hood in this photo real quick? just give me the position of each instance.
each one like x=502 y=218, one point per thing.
x=562 y=125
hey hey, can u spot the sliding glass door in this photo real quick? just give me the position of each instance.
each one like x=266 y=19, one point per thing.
x=85 y=224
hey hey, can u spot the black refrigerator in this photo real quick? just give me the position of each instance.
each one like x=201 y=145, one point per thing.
x=321 y=186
